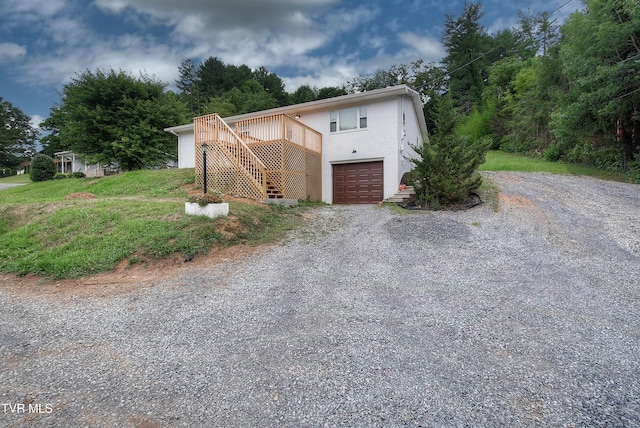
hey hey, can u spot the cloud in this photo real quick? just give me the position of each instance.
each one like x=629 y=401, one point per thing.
x=36 y=120
x=428 y=48
x=11 y=52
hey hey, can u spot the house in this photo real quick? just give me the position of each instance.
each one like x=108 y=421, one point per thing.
x=68 y=162
x=349 y=149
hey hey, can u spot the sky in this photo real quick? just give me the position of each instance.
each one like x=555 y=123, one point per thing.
x=45 y=43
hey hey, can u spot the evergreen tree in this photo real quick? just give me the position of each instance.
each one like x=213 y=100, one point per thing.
x=188 y=85
x=446 y=170
x=42 y=168
x=466 y=63
x=210 y=79
x=272 y=84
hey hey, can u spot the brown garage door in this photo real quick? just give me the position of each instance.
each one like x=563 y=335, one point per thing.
x=357 y=183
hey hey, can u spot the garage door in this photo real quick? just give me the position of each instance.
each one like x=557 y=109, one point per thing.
x=357 y=183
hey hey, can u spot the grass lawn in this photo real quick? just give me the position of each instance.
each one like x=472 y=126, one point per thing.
x=136 y=216
x=22 y=178
x=502 y=161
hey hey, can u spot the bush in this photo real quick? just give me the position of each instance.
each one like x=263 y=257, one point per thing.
x=553 y=153
x=77 y=174
x=59 y=176
x=446 y=171
x=42 y=168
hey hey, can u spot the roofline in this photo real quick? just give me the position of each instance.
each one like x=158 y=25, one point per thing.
x=327 y=102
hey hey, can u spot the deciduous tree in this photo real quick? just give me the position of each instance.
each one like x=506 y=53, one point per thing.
x=113 y=118
x=17 y=136
x=600 y=55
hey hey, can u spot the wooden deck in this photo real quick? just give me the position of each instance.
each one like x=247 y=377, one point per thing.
x=268 y=157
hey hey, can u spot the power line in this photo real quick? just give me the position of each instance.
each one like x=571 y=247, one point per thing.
x=565 y=4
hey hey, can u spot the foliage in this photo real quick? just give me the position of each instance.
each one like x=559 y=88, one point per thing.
x=599 y=53
x=466 y=42
x=303 y=94
x=446 y=170
x=187 y=84
x=202 y=199
x=113 y=118
x=17 y=136
x=42 y=168
x=272 y=85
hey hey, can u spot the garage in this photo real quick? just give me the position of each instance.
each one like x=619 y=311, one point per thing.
x=358 y=183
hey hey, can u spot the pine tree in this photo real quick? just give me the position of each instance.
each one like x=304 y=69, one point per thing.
x=187 y=83
x=446 y=171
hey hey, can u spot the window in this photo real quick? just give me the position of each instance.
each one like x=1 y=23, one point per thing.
x=363 y=117
x=348 y=119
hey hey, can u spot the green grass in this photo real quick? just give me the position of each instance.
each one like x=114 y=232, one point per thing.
x=22 y=178
x=502 y=161
x=136 y=216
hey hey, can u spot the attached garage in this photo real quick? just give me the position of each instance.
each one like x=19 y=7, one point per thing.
x=358 y=183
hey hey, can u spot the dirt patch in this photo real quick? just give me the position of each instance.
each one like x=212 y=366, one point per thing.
x=124 y=278
x=80 y=195
x=517 y=201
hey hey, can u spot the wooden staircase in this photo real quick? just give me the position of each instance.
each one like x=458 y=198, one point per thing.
x=233 y=157
x=273 y=192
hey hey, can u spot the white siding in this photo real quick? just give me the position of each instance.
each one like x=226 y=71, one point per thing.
x=379 y=141
x=409 y=136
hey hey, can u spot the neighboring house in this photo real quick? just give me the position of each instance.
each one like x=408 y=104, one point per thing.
x=68 y=162
x=349 y=149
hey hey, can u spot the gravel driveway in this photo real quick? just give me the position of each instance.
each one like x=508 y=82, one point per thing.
x=525 y=316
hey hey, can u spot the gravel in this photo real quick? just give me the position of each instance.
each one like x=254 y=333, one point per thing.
x=367 y=316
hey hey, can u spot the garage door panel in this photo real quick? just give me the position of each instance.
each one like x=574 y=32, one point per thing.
x=358 y=183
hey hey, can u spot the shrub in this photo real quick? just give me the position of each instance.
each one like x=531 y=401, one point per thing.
x=446 y=171
x=59 y=176
x=202 y=199
x=42 y=168
x=553 y=153
x=77 y=174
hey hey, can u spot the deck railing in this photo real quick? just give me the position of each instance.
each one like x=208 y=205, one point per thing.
x=279 y=127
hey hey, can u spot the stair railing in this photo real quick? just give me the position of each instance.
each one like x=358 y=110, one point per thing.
x=250 y=180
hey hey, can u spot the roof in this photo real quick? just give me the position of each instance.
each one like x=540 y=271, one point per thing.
x=325 y=104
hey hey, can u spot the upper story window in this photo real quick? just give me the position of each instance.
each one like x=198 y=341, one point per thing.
x=347 y=119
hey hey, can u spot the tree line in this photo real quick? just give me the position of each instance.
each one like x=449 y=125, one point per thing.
x=564 y=92
x=227 y=89
x=569 y=92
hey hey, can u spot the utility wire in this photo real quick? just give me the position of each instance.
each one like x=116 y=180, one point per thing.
x=565 y=4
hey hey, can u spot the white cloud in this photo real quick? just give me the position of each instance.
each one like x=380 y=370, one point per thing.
x=428 y=48
x=35 y=121
x=11 y=52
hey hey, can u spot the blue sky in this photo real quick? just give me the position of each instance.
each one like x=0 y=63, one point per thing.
x=44 y=43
